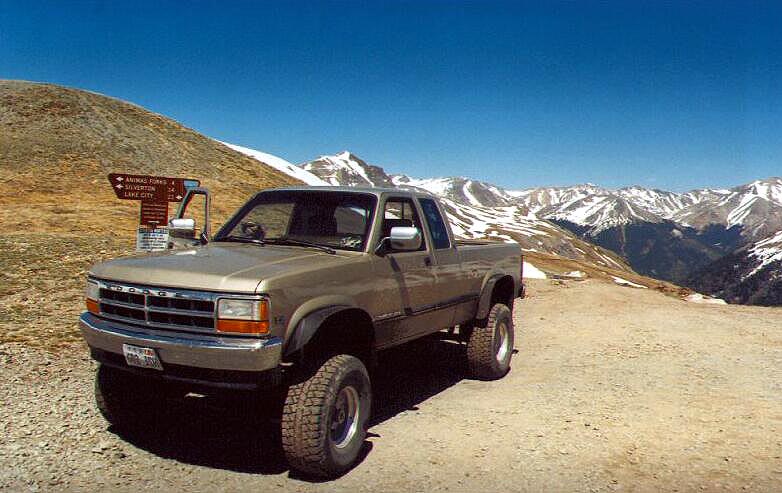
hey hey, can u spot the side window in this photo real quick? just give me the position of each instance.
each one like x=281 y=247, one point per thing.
x=401 y=212
x=437 y=227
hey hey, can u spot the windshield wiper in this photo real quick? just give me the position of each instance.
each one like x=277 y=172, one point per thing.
x=240 y=239
x=283 y=240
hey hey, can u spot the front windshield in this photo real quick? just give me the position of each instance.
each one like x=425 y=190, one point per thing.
x=335 y=219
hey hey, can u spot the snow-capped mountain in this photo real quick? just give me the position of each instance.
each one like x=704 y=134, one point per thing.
x=348 y=170
x=755 y=207
x=664 y=234
x=660 y=202
x=460 y=189
x=599 y=212
x=536 y=199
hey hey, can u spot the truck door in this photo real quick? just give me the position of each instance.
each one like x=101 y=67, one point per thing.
x=183 y=230
x=451 y=281
x=408 y=295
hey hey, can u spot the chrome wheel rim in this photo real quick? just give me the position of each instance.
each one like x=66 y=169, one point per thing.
x=345 y=417
x=502 y=342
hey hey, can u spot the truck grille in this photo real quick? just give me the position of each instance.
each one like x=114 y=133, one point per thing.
x=176 y=309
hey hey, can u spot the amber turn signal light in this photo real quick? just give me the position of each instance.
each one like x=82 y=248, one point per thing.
x=243 y=326
x=92 y=306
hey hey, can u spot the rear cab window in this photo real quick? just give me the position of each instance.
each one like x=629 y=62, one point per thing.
x=437 y=227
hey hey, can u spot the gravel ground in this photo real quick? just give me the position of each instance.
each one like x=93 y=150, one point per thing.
x=612 y=389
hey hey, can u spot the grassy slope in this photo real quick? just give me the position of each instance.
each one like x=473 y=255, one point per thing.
x=58 y=213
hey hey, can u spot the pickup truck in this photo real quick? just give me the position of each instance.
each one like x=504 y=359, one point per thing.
x=294 y=296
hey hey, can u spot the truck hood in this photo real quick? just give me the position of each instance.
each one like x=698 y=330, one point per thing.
x=231 y=267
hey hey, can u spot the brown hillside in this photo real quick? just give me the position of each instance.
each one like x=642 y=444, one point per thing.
x=58 y=144
x=58 y=213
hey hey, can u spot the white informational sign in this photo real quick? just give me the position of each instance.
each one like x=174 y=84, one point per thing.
x=151 y=240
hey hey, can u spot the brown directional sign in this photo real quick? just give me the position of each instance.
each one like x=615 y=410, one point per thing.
x=150 y=188
x=154 y=214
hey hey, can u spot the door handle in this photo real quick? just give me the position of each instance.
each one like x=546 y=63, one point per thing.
x=428 y=261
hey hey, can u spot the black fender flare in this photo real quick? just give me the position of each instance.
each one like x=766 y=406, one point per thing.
x=307 y=327
x=484 y=303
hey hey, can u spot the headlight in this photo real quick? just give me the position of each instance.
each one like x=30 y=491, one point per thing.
x=92 y=292
x=243 y=316
x=239 y=309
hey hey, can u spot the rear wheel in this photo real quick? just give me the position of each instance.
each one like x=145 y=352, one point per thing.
x=490 y=345
x=325 y=417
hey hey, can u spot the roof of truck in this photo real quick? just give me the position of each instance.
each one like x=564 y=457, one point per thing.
x=372 y=190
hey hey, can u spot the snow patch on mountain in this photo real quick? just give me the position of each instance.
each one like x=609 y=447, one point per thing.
x=766 y=252
x=436 y=186
x=532 y=272
x=625 y=282
x=704 y=300
x=278 y=164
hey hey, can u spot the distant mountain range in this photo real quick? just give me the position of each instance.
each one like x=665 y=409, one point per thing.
x=720 y=241
x=663 y=234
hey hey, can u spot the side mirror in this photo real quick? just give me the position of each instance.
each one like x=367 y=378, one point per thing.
x=182 y=228
x=182 y=223
x=405 y=238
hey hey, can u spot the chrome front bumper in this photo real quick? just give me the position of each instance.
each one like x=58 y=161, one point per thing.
x=190 y=350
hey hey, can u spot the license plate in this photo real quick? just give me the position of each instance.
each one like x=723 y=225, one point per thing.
x=143 y=357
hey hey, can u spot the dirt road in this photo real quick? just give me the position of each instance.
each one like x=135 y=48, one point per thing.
x=613 y=388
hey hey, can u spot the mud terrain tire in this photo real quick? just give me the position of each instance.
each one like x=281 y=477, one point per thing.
x=490 y=346
x=325 y=417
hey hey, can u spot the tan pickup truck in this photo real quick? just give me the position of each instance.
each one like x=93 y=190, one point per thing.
x=295 y=295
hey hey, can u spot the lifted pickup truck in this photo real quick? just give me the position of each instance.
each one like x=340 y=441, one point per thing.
x=295 y=295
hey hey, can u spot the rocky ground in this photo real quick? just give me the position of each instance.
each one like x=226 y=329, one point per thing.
x=612 y=389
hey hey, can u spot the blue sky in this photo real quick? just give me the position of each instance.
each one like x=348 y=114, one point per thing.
x=673 y=95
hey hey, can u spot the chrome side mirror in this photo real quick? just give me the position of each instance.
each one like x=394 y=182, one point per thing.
x=183 y=225
x=405 y=238
x=181 y=229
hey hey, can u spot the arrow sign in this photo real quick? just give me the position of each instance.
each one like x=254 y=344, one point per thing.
x=150 y=188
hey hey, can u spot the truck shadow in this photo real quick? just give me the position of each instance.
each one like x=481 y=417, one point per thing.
x=240 y=432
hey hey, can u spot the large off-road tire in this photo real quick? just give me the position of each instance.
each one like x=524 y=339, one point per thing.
x=325 y=417
x=124 y=399
x=490 y=345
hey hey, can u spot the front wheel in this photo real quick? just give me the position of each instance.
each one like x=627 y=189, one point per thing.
x=325 y=417
x=490 y=347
